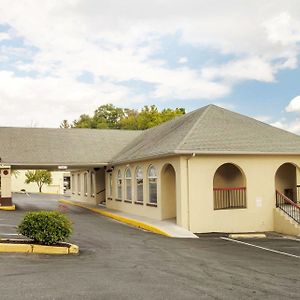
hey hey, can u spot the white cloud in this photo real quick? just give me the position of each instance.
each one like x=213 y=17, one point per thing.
x=183 y=60
x=253 y=68
x=292 y=126
x=116 y=41
x=265 y=119
x=4 y=36
x=46 y=101
x=294 y=105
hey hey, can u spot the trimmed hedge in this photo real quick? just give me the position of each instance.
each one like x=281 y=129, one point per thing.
x=46 y=227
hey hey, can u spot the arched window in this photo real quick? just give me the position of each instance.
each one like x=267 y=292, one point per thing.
x=93 y=184
x=72 y=183
x=85 y=183
x=128 y=184
x=152 y=185
x=119 y=185
x=139 y=185
x=110 y=185
x=229 y=187
x=78 y=184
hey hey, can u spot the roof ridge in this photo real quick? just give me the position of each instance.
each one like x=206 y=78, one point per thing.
x=192 y=128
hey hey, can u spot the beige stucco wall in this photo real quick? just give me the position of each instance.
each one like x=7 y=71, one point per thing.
x=159 y=212
x=56 y=187
x=260 y=181
x=94 y=192
x=194 y=191
x=284 y=224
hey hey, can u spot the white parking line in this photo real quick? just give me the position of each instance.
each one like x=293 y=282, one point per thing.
x=259 y=247
x=7 y=225
x=291 y=238
x=9 y=234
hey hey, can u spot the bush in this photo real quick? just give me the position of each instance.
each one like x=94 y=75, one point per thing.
x=46 y=227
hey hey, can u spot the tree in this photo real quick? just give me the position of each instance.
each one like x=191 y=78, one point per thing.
x=110 y=116
x=84 y=121
x=65 y=124
x=41 y=177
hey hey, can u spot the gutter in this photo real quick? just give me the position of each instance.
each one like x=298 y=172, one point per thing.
x=234 y=152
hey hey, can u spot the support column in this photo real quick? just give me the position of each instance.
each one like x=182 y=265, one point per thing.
x=5 y=199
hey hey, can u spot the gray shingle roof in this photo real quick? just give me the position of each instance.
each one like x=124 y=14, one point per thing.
x=207 y=130
x=210 y=129
x=44 y=146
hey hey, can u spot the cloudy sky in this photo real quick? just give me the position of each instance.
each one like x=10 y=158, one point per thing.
x=62 y=58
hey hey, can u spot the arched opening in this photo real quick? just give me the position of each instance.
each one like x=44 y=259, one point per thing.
x=229 y=187
x=286 y=181
x=168 y=192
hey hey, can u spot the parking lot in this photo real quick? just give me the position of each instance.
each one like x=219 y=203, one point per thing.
x=121 y=262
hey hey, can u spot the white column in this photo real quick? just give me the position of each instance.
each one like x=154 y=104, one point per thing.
x=5 y=172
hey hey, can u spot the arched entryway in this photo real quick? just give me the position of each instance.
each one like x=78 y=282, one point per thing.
x=229 y=187
x=168 y=192
x=286 y=181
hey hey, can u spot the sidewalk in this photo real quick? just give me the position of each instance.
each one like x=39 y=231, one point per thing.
x=166 y=227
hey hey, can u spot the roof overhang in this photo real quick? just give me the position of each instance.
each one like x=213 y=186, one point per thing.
x=55 y=167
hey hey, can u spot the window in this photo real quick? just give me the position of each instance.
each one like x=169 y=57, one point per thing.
x=152 y=184
x=109 y=185
x=119 y=185
x=85 y=179
x=78 y=184
x=93 y=184
x=139 y=185
x=128 y=183
x=72 y=183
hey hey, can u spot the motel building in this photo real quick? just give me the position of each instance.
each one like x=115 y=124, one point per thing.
x=211 y=170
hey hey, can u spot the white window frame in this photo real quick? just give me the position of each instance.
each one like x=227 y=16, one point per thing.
x=119 y=185
x=78 y=183
x=93 y=184
x=85 y=184
x=109 y=185
x=138 y=172
x=128 y=184
x=150 y=178
x=72 y=183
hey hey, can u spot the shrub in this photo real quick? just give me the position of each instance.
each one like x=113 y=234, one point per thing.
x=46 y=227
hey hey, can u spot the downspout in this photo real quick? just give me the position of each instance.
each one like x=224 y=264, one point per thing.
x=188 y=190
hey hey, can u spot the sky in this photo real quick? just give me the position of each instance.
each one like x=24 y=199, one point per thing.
x=62 y=58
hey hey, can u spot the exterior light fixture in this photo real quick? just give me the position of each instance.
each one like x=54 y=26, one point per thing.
x=62 y=167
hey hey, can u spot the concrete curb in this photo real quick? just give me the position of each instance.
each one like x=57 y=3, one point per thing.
x=37 y=249
x=247 y=235
x=11 y=207
x=122 y=219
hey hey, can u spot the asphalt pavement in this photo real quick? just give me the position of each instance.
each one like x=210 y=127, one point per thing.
x=120 y=262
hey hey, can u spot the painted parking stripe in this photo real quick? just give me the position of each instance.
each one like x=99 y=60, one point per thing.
x=8 y=225
x=9 y=234
x=259 y=247
x=291 y=238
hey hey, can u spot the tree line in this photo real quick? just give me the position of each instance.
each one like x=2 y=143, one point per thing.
x=112 y=117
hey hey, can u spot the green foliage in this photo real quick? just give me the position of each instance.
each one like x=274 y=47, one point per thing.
x=109 y=116
x=46 y=227
x=40 y=177
x=65 y=124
